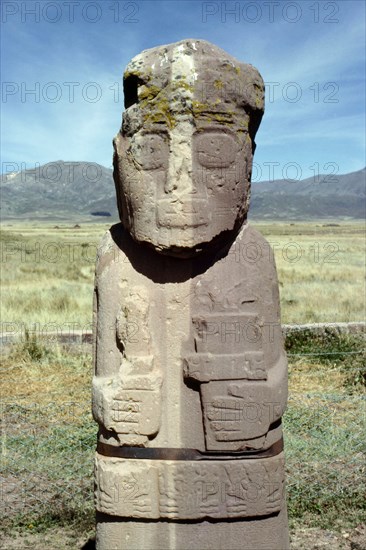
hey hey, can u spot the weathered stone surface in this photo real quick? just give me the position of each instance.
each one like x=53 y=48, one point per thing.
x=188 y=320
x=190 y=373
x=264 y=534
x=188 y=490
x=184 y=155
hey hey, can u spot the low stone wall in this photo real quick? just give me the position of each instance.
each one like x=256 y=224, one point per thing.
x=322 y=329
x=60 y=337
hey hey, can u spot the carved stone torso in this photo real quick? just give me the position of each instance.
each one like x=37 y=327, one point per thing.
x=180 y=348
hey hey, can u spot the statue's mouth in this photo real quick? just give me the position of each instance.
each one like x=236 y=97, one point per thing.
x=189 y=213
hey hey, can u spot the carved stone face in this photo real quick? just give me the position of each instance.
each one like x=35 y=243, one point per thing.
x=184 y=154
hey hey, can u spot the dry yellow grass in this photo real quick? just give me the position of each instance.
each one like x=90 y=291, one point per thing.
x=47 y=273
x=321 y=271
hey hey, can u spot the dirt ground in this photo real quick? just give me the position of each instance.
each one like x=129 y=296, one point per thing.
x=301 y=539
x=321 y=539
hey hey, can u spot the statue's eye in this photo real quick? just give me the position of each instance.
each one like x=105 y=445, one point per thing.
x=150 y=151
x=215 y=150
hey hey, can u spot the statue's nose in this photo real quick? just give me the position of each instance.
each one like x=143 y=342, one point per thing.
x=180 y=176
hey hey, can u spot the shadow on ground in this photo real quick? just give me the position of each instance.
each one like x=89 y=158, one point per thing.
x=89 y=545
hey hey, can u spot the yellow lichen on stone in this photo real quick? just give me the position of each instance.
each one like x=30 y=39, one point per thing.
x=181 y=84
x=148 y=92
x=161 y=112
x=207 y=111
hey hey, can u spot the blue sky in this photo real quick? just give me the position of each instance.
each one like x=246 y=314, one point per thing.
x=72 y=55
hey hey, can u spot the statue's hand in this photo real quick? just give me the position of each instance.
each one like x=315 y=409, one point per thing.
x=129 y=404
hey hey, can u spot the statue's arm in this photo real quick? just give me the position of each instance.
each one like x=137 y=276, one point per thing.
x=127 y=380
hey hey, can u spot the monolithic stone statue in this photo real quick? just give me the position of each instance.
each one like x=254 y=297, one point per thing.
x=190 y=372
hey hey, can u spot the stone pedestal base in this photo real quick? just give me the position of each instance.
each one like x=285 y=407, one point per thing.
x=194 y=504
x=252 y=534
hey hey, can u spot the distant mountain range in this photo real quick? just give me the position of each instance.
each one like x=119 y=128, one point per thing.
x=85 y=191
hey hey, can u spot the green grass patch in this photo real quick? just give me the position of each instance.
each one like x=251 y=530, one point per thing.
x=49 y=437
x=325 y=458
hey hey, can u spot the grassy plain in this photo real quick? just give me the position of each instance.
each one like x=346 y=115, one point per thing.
x=48 y=436
x=47 y=272
x=321 y=270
